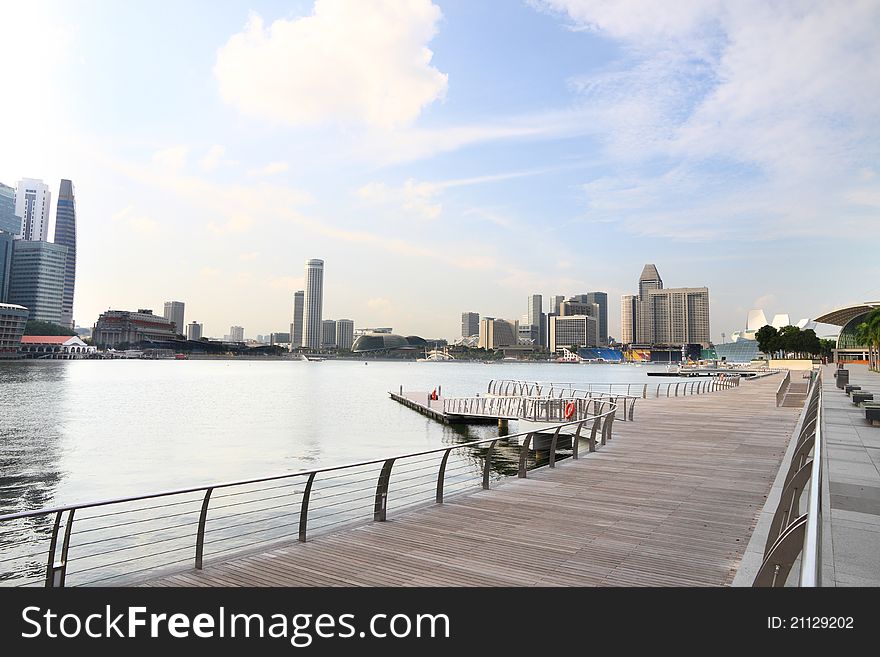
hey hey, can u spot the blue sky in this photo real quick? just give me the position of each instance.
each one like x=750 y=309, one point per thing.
x=452 y=156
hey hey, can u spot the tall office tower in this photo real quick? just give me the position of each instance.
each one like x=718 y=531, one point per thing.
x=344 y=334
x=601 y=300
x=571 y=307
x=536 y=316
x=670 y=316
x=628 y=318
x=174 y=312
x=470 y=324
x=314 y=303
x=8 y=221
x=296 y=328
x=573 y=331
x=65 y=233
x=36 y=279
x=236 y=334
x=328 y=333
x=6 y=241
x=33 y=205
x=194 y=331
x=556 y=302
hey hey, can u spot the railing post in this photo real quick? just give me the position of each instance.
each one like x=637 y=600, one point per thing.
x=56 y=571
x=523 y=453
x=645 y=392
x=441 y=476
x=606 y=428
x=553 y=441
x=488 y=464
x=381 y=504
x=304 y=509
x=200 y=536
x=575 y=440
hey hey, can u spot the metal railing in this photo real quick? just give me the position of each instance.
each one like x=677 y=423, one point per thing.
x=795 y=531
x=130 y=538
x=539 y=409
x=695 y=386
x=783 y=388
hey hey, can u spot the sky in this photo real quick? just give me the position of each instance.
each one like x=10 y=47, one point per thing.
x=452 y=156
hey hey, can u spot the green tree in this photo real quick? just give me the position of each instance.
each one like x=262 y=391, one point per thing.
x=868 y=334
x=35 y=327
x=827 y=348
x=768 y=339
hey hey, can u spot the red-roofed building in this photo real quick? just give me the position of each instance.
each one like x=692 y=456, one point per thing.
x=63 y=347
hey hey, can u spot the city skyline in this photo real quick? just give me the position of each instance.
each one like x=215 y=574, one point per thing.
x=689 y=138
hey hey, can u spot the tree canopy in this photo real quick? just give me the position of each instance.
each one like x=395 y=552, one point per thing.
x=788 y=340
x=36 y=327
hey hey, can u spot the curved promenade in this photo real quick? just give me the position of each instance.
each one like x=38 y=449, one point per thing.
x=672 y=500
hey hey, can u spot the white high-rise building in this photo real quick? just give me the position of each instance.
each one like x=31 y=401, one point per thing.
x=296 y=328
x=174 y=312
x=33 y=204
x=344 y=333
x=535 y=317
x=314 y=304
x=236 y=333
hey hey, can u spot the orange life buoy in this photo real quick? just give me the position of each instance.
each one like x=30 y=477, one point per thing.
x=569 y=410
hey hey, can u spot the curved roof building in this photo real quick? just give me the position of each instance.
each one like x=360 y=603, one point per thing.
x=849 y=317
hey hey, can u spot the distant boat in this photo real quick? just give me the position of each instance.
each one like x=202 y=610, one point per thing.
x=312 y=358
x=181 y=357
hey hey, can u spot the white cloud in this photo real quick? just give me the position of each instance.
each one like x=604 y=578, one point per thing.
x=379 y=303
x=171 y=159
x=237 y=223
x=413 y=197
x=362 y=61
x=270 y=169
x=747 y=120
x=214 y=159
x=140 y=224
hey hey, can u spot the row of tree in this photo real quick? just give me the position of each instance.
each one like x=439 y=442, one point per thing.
x=789 y=341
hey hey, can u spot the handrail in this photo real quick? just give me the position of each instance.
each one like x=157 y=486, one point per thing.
x=334 y=503
x=796 y=532
x=513 y=387
x=783 y=388
x=528 y=407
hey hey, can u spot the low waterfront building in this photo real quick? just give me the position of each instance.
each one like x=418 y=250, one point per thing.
x=116 y=327
x=848 y=347
x=12 y=321
x=56 y=347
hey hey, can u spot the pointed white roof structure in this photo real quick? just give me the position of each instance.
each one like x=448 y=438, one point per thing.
x=755 y=320
x=780 y=320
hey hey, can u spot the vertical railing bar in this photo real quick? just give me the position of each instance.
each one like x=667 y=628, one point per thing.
x=51 y=562
x=200 y=535
x=488 y=464
x=441 y=475
x=304 y=509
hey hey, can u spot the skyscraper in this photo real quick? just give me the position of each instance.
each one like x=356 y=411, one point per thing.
x=672 y=316
x=36 y=279
x=470 y=324
x=236 y=333
x=328 y=333
x=536 y=317
x=314 y=303
x=601 y=300
x=555 y=302
x=194 y=331
x=65 y=234
x=344 y=333
x=296 y=328
x=33 y=204
x=174 y=312
x=6 y=241
x=8 y=221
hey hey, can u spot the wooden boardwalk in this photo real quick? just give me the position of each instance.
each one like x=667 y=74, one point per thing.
x=671 y=501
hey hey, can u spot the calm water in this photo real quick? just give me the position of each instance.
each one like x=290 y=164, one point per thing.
x=80 y=431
